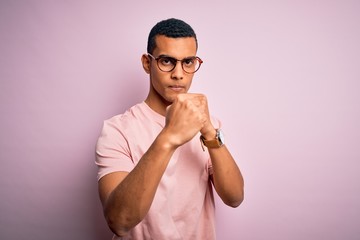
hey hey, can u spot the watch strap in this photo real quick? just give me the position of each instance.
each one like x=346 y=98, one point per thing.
x=212 y=143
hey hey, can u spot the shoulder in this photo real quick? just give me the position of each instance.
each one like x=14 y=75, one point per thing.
x=124 y=119
x=133 y=122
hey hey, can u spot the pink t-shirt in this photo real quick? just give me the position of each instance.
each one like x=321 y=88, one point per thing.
x=183 y=207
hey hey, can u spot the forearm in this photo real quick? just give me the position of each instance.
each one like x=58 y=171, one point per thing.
x=130 y=201
x=227 y=178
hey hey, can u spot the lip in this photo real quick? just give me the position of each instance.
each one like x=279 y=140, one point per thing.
x=177 y=88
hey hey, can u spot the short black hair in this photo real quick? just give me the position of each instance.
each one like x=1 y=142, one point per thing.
x=173 y=28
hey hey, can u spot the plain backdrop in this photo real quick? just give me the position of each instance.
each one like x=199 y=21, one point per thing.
x=283 y=76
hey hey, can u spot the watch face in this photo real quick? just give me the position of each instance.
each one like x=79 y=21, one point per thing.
x=220 y=136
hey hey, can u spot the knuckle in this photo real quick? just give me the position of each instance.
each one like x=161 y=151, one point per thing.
x=188 y=102
x=181 y=97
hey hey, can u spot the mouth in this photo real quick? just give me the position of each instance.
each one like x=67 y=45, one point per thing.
x=177 y=88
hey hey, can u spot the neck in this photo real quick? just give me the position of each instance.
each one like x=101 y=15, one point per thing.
x=157 y=106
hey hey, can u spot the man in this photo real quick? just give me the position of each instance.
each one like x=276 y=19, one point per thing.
x=159 y=160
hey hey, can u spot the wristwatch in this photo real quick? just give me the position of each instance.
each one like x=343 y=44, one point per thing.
x=217 y=142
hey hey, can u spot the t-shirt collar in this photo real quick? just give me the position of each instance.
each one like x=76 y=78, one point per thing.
x=156 y=116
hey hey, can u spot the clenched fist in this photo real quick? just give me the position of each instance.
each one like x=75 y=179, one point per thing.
x=186 y=116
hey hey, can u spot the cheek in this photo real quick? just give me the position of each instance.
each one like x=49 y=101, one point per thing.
x=156 y=80
x=189 y=82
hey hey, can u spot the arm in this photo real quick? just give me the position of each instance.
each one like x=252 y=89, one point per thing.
x=127 y=197
x=227 y=178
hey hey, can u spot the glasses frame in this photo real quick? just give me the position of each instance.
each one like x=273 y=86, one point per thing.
x=177 y=60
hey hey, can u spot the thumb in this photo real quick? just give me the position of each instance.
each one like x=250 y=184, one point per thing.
x=168 y=107
x=168 y=110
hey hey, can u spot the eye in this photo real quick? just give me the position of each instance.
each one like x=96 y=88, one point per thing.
x=166 y=61
x=189 y=61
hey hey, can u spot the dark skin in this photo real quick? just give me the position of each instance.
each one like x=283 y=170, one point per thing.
x=186 y=115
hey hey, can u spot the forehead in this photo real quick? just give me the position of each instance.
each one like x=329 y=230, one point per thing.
x=175 y=47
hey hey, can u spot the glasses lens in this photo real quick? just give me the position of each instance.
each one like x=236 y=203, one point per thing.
x=191 y=65
x=166 y=64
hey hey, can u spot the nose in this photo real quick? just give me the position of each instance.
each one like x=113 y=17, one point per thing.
x=177 y=73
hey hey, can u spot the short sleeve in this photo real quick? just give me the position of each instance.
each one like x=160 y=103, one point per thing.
x=112 y=151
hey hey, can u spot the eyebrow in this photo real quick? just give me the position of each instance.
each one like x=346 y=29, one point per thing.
x=164 y=55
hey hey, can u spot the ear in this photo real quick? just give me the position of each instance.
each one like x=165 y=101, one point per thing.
x=146 y=63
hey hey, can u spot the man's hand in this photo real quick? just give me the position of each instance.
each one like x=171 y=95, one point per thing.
x=188 y=115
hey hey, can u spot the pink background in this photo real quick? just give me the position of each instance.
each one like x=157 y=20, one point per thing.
x=284 y=77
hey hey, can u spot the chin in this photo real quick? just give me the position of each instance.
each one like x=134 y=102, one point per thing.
x=168 y=100
x=170 y=97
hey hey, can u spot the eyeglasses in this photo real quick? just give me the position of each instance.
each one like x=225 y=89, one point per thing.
x=167 y=64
